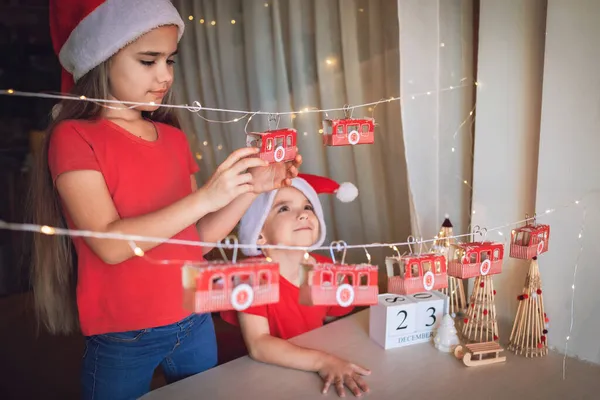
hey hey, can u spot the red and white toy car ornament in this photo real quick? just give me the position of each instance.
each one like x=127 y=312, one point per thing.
x=530 y=240
x=416 y=273
x=468 y=260
x=278 y=145
x=341 y=284
x=229 y=285
x=348 y=131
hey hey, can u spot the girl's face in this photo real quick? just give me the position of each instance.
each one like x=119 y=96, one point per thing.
x=291 y=221
x=143 y=71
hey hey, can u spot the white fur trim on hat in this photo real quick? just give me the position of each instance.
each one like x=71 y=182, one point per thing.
x=110 y=27
x=253 y=220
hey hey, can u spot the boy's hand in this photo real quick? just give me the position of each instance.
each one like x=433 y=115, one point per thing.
x=341 y=372
x=275 y=175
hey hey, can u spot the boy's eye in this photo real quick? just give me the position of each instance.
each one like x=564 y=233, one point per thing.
x=146 y=63
x=309 y=207
x=170 y=62
x=282 y=209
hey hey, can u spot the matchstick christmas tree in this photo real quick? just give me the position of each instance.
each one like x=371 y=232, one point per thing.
x=479 y=260
x=455 y=290
x=530 y=328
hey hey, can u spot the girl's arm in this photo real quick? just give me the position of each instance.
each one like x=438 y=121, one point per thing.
x=269 y=349
x=90 y=206
x=215 y=226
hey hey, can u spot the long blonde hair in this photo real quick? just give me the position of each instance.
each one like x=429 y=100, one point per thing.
x=54 y=261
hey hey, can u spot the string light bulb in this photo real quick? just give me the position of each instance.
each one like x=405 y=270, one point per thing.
x=47 y=230
x=233 y=22
x=138 y=252
x=201 y=20
x=213 y=23
x=191 y=17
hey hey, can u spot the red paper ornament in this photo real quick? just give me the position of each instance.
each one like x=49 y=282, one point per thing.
x=481 y=284
x=495 y=337
x=494 y=292
x=466 y=320
x=539 y=291
x=543 y=338
x=525 y=296
x=485 y=312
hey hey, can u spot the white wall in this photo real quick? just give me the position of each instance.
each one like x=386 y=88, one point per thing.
x=569 y=167
x=436 y=52
x=510 y=67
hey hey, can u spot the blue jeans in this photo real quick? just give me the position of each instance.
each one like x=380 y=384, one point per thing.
x=120 y=365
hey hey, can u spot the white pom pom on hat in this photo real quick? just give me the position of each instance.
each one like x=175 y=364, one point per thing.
x=345 y=192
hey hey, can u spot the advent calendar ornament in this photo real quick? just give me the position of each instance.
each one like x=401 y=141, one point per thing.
x=455 y=289
x=480 y=260
x=339 y=284
x=348 y=131
x=414 y=273
x=229 y=285
x=446 y=338
x=397 y=320
x=275 y=146
x=530 y=240
x=530 y=329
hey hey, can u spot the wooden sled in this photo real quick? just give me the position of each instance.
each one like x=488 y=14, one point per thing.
x=473 y=357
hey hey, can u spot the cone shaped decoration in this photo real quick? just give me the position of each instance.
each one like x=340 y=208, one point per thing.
x=455 y=290
x=530 y=328
x=480 y=323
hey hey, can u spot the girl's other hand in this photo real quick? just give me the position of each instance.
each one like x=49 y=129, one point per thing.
x=341 y=372
x=276 y=175
x=231 y=180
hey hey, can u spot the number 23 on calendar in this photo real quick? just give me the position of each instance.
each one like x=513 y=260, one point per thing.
x=398 y=320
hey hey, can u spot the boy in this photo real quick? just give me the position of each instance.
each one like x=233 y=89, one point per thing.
x=293 y=216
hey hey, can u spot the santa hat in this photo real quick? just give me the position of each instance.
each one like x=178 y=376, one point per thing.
x=310 y=185
x=85 y=33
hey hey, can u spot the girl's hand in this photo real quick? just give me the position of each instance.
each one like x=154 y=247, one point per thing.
x=341 y=372
x=231 y=179
x=275 y=176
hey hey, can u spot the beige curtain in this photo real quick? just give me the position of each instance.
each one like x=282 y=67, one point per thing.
x=289 y=55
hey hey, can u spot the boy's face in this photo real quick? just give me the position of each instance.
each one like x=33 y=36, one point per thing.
x=291 y=221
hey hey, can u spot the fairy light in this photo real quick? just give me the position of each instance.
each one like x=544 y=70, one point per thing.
x=201 y=20
x=47 y=230
x=82 y=97
x=197 y=107
x=138 y=252
x=321 y=130
x=191 y=17
x=213 y=22
x=199 y=156
x=266 y=4
x=220 y=147
x=572 y=319
x=233 y=22
x=139 y=238
x=442 y=44
x=205 y=143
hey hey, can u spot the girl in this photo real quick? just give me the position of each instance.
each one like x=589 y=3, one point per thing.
x=293 y=216
x=128 y=170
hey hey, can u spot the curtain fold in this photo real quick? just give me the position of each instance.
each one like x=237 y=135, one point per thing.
x=284 y=56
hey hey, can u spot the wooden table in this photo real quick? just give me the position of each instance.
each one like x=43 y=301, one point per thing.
x=415 y=372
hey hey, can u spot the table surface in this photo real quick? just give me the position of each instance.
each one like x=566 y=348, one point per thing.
x=417 y=371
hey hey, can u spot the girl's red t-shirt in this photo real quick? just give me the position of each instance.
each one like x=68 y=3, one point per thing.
x=288 y=318
x=142 y=177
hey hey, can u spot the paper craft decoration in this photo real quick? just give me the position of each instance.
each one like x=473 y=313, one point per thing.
x=468 y=260
x=339 y=284
x=480 y=260
x=530 y=328
x=529 y=241
x=228 y=285
x=348 y=131
x=414 y=273
x=275 y=145
x=399 y=320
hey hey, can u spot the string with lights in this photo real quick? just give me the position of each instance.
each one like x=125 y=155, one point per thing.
x=580 y=238
x=197 y=106
x=49 y=230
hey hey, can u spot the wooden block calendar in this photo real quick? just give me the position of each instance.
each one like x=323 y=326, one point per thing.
x=397 y=320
